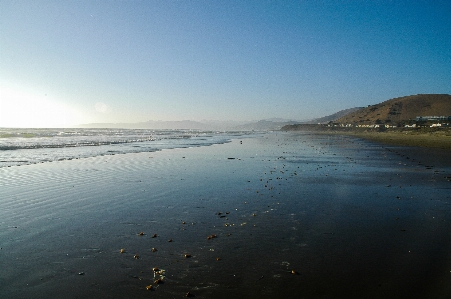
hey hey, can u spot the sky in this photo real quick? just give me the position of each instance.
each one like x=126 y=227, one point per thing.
x=64 y=63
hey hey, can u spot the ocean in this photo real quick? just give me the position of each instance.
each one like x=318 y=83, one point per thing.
x=273 y=215
x=31 y=146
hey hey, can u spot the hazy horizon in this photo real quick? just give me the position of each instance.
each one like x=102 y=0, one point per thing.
x=66 y=64
x=149 y=124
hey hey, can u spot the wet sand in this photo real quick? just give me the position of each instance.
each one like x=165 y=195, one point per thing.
x=440 y=139
x=350 y=219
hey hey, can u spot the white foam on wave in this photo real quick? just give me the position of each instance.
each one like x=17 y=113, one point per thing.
x=18 y=147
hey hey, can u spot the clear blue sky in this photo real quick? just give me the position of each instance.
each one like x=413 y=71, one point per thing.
x=70 y=62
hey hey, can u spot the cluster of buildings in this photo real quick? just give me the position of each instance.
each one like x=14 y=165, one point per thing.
x=420 y=121
x=433 y=118
x=433 y=121
x=360 y=125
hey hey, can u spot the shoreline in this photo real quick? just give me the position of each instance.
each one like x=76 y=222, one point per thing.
x=406 y=138
x=278 y=215
x=436 y=138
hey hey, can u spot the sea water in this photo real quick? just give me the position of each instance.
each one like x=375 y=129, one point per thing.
x=31 y=146
x=294 y=216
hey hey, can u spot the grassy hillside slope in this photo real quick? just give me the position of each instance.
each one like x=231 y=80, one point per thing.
x=401 y=110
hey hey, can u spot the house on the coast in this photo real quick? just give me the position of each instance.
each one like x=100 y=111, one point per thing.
x=434 y=121
x=433 y=118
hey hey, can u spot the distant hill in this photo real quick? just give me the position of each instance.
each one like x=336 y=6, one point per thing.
x=400 y=110
x=262 y=125
x=170 y=125
x=333 y=117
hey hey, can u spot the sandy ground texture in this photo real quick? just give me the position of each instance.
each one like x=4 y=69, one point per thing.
x=440 y=139
x=284 y=215
x=428 y=137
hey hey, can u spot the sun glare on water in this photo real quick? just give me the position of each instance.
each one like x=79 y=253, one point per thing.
x=26 y=110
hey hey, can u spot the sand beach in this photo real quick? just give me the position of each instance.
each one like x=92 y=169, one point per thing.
x=427 y=138
x=280 y=215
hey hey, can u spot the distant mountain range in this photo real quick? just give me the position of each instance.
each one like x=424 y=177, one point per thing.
x=393 y=112
x=261 y=125
x=332 y=117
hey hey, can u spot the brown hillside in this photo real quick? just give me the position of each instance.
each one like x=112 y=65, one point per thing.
x=401 y=110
